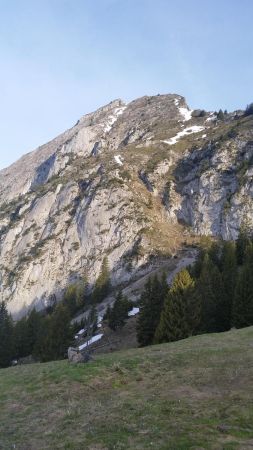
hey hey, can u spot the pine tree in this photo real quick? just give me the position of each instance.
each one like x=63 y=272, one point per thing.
x=229 y=276
x=93 y=318
x=34 y=322
x=159 y=292
x=243 y=241
x=119 y=312
x=70 y=299
x=102 y=285
x=82 y=293
x=151 y=304
x=211 y=291
x=220 y=115
x=242 y=311
x=59 y=334
x=174 y=323
x=249 y=109
x=107 y=313
x=145 y=328
x=41 y=349
x=194 y=309
x=214 y=253
x=21 y=339
x=6 y=337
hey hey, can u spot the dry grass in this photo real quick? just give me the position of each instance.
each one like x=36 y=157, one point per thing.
x=193 y=394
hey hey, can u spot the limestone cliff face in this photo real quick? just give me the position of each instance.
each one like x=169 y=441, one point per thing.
x=131 y=182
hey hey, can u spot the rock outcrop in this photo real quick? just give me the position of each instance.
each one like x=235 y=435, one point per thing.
x=131 y=182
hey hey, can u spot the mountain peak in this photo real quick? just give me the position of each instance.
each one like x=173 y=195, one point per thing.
x=134 y=182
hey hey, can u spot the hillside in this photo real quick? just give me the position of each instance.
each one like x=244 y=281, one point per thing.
x=133 y=182
x=192 y=394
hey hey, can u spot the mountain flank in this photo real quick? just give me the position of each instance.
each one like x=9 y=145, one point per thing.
x=136 y=183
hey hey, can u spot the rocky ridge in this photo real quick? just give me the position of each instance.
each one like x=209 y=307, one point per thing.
x=134 y=182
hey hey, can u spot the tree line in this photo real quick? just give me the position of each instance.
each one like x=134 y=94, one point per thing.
x=47 y=335
x=213 y=295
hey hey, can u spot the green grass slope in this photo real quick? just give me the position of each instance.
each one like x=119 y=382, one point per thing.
x=192 y=394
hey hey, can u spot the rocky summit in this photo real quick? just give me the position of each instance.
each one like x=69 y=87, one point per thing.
x=134 y=182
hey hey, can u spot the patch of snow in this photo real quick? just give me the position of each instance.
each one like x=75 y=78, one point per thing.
x=118 y=159
x=81 y=331
x=211 y=117
x=91 y=341
x=185 y=132
x=133 y=312
x=203 y=135
x=99 y=324
x=186 y=113
x=113 y=117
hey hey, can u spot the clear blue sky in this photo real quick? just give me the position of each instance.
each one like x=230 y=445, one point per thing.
x=60 y=59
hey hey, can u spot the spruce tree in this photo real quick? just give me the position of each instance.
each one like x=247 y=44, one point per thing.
x=21 y=339
x=151 y=304
x=41 y=349
x=93 y=318
x=59 y=334
x=6 y=337
x=119 y=312
x=229 y=276
x=243 y=241
x=220 y=115
x=211 y=292
x=82 y=293
x=70 y=299
x=194 y=310
x=102 y=284
x=242 y=311
x=34 y=322
x=145 y=328
x=214 y=253
x=107 y=313
x=174 y=322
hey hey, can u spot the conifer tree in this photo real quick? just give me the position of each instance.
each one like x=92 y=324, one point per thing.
x=119 y=312
x=151 y=304
x=243 y=241
x=102 y=284
x=93 y=318
x=194 y=310
x=81 y=293
x=59 y=334
x=107 y=313
x=70 y=299
x=145 y=328
x=220 y=115
x=229 y=276
x=174 y=323
x=211 y=291
x=22 y=346
x=41 y=349
x=6 y=337
x=214 y=253
x=34 y=322
x=242 y=311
